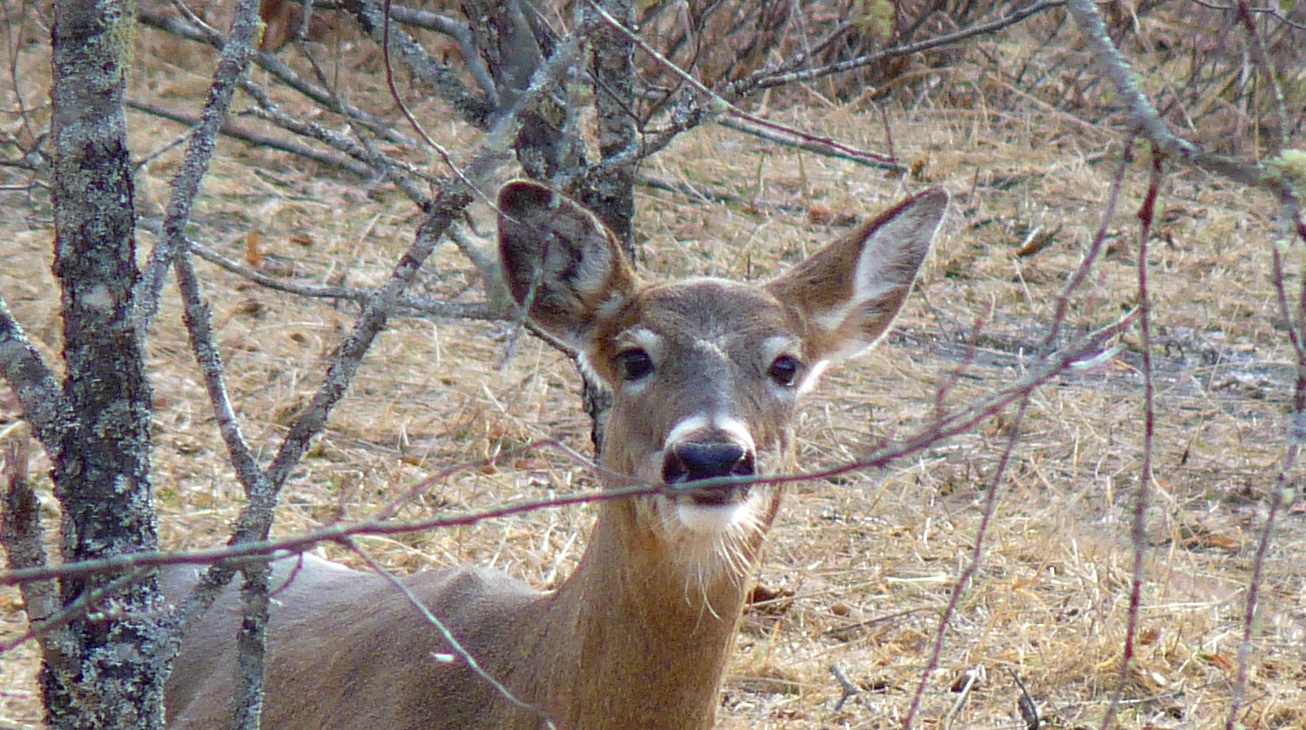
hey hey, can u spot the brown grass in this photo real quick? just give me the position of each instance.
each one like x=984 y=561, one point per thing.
x=864 y=564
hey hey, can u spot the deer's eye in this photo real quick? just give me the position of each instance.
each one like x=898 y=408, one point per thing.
x=784 y=370
x=634 y=364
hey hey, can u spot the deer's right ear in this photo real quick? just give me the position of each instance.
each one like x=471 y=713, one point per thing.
x=560 y=262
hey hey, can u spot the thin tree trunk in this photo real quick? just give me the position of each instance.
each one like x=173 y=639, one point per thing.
x=106 y=675
x=513 y=43
x=611 y=197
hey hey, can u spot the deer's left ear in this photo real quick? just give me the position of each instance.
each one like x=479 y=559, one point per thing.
x=849 y=293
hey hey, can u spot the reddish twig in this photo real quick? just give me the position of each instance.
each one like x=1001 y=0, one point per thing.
x=1284 y=488
x=991 y=490
x=1138 y=525
x=1086 y=352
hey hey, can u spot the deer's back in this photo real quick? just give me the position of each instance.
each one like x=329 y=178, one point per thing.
x=348 y=650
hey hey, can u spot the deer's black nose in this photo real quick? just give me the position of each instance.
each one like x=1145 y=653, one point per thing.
x=692 y=461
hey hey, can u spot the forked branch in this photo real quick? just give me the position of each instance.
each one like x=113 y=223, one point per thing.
x=1144 y=116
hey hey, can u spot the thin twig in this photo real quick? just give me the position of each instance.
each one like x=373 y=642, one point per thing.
x=272 y=64
x=1143 y=491
x=768 y=78
x=1028 y=710
x=847 y=690
x=723 y=104
x=185 y=186
x=820 y=147
x=402 y=174
x=376 y=313
x=44 y=628
x=375 y=20
x=1269 y=76
x=454 y=645
x=1095 y=248
x=396 y=171
x=1088 y=350
x=1270 y=11
x=991 y=489
x=973 y=677
x=421 y=305
x=1285 y=489
x=235 y=131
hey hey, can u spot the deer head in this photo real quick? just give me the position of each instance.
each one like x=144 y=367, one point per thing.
x=706 y=372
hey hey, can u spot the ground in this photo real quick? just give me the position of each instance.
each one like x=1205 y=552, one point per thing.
x=860 y=567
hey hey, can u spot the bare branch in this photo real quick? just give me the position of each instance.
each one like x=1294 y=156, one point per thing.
x=200 y=330
x=275 y=66
x=818 y=145
x=460 y=32
x=47 y=630
x=1261 y=58
x=1086 y=266
x=1143 y=113
x=421 y=305
x=376 y=312
x=767 y=78
x=21 y=365
x=402 y=174
x=1270 y=11
x=235 y=131
x=1285 y=488
x=1087 y=351
x=1143 y=490
x=721 y=103
x=372 y=19
x=992 y=487
x=235 y=57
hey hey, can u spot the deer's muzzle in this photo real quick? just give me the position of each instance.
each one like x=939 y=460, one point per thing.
x=693 y=461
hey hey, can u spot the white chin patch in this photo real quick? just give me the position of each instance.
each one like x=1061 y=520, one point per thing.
x=706 y=519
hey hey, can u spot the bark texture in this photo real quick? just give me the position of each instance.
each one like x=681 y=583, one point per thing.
x=105 y=673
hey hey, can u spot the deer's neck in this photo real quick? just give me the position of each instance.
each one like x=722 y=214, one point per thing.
x=644 y=637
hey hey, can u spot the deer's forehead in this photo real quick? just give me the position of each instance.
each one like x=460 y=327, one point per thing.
x=705 y=311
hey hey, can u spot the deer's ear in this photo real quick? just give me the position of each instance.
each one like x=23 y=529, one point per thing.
x=561 y=263
x=850 y=292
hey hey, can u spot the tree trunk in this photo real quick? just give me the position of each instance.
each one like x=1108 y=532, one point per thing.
x=612 y=196
x=105 y=675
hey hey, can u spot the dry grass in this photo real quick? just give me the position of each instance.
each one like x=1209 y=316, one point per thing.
x=865 y=564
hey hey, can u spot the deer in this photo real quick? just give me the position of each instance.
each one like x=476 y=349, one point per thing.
x=705 y=375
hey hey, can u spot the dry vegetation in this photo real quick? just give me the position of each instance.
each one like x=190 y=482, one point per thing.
x=859 y=568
